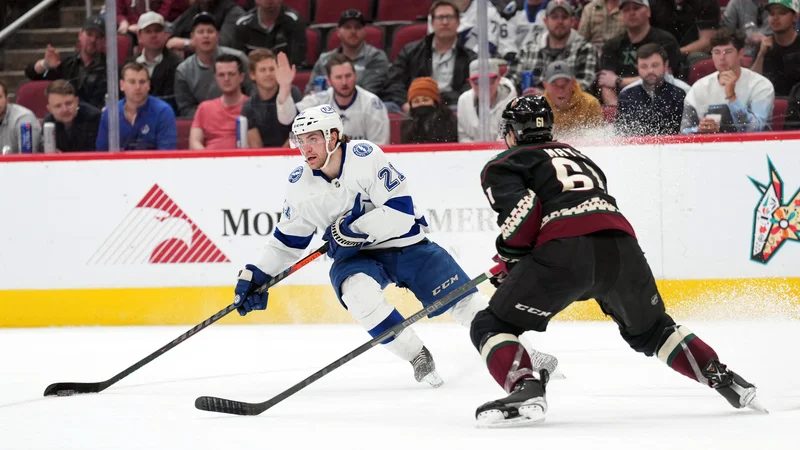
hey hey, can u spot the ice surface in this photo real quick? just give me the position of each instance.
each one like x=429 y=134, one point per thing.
x=612 y=398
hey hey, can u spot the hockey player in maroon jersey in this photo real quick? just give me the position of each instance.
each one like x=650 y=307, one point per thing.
x=563 y=239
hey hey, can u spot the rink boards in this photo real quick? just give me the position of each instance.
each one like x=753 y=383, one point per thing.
x=158 y=238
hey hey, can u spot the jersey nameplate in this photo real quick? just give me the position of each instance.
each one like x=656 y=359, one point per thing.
x=296 y=174
x=362 y=150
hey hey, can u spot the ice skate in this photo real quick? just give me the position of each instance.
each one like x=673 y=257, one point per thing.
x=736 y=390
x=525 y=406
x=425 y=368
x=541 y=360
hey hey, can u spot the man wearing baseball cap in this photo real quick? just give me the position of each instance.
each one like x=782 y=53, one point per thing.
x=501 y=91
x=619 y=64
x=161 y=63
x=573 y=109
x=225 y=13
x=274 y=26
x=559 y=43
x=779 y=56
x=85 y=69
x=371 y=64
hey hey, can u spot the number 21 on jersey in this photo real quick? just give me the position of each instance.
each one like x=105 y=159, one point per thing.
x=391 y=177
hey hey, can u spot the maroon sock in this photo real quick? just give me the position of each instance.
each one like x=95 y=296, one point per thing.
x=507 y=360
x=673 y=353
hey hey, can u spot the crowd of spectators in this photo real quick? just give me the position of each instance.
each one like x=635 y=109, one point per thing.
x=641 y=67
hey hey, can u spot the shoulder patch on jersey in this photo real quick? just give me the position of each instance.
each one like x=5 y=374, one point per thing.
x=296 y=174
x=377 y=103
x=327 y=109
x=362 y=150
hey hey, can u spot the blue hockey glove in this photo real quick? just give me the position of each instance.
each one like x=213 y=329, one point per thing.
x=250 y=279
x=344 y=242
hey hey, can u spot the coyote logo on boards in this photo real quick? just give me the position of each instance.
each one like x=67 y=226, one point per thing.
x=157 y=231
x=775 y=223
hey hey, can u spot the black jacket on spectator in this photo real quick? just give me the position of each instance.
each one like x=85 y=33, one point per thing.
x=162 y=81
x=89 y=81
x=782 y=67
x=288 y=35
x=639 y=115
x=263 y=115
x=683 y=20
x=792 y=121
x=438 y=126
x=225 y=12
x=416 y=60
x=82 y=135
x=619 y=53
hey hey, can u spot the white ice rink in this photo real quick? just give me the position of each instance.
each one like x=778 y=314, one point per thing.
x=612 y=398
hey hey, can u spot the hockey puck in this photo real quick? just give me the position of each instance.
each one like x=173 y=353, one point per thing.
x=65 y=393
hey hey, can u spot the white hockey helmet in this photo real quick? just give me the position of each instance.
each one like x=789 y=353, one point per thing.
x=318 y=118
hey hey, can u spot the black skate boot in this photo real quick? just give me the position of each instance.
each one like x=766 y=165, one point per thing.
x=736 y=390
x=526 y=405
x=425 y=368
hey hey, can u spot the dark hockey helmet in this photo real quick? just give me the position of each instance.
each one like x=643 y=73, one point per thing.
x=529 y=118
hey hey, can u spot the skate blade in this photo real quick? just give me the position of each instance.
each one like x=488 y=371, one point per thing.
x=433 y=379
x=494 y=418
x=752 y=402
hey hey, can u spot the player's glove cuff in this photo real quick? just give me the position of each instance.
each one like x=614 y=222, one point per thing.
x=510 y=254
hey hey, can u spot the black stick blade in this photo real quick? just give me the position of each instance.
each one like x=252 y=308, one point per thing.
x=221 y=405
x=67 y=389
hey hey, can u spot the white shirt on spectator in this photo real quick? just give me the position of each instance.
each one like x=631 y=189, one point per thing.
x=364 y=118
x=752 y=109
x=468 y=123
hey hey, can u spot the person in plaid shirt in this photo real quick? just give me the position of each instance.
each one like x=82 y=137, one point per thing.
x=601 y=20
x=559 y=43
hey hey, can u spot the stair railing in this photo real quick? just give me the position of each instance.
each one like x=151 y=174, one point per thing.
x=25 y=18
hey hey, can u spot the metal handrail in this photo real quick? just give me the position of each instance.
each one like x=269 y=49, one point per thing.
x=35 y=11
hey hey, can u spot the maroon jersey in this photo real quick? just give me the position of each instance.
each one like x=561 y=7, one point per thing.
x=548 y=191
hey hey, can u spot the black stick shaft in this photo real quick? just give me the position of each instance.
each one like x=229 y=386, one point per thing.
x=251 y=409
x=69 y=388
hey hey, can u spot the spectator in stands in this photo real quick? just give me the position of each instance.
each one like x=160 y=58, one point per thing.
x=751 y=17
x=372 y=65
x=269 y=115
x=214 y=125
x=619 y=63
x=779 y=56
x=439 y=56
x=792 y=121
x=76 y=122
x=145 y=122
x=526 y=23
x=731 y=99
x=12 y=116
x=559 y=43
x=160 y=62
x=129 y=12
x=501 y=91
x=429 y=122
x=362 y=112
x=274 y=26
x=651 y=106
x=225 y=14
x=194 y=78
x=501 y=43
x=573 y=109
x=86 y=69
x=600 y=22
x=692 y=23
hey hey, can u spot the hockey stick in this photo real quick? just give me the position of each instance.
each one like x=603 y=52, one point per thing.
x=222 y=405
x=69 y=388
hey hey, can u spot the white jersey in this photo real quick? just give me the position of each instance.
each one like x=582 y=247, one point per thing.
x=521 y=29
x=364 y=118
x=313 y=202
x=500 y=41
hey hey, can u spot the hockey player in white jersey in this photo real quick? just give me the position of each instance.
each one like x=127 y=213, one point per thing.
x=500 y=41
x=349 y=189
x=362 y=112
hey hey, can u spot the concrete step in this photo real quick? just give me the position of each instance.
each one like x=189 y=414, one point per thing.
x=19 y=59
x=75 y=16
x=39 y=39
x=13 y=78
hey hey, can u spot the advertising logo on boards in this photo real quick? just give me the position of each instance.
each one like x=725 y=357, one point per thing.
x=775 y=222
x=157 y=231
